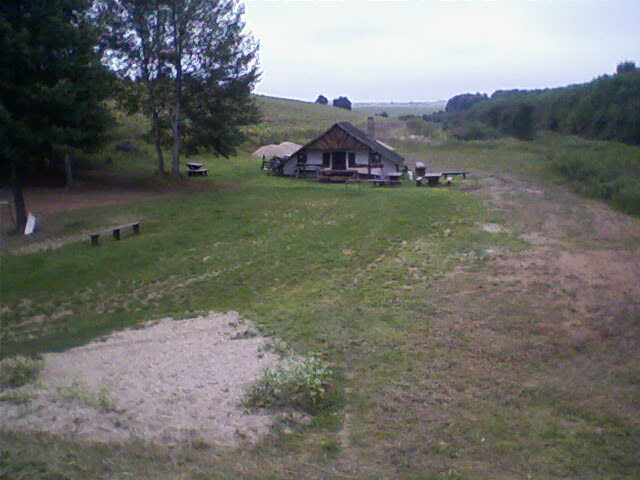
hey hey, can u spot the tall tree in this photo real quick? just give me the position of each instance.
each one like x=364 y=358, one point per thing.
x=202 y=61
x=51 y=86
x=135 y=42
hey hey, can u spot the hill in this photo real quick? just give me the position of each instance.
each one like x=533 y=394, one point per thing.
x=297 y=121
x=395 y=109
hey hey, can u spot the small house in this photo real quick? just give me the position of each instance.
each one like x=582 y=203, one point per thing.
x=343 y=151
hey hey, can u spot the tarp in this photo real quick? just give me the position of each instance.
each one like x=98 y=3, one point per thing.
x=273 y=150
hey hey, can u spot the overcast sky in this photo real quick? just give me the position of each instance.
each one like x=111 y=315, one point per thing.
x=420 y=50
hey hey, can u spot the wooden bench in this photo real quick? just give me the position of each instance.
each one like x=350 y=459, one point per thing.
x=200 y=171
x=135 y=227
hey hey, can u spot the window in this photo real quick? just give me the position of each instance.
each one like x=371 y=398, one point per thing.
x=352 y=159
x=326 y=159
x=374 y=158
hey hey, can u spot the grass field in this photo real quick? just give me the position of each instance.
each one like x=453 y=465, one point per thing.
x=450 y=342
x=397 y=109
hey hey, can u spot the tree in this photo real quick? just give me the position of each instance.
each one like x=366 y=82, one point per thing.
x=342 y=102
x=625 y=67
x=196 y=57
x=52 y=87
x=523 y=122
x=322 y=100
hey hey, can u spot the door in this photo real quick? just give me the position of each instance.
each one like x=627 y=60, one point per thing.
x=339 y=161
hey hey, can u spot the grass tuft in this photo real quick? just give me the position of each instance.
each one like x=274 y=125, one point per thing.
x=19 y=370
x=301 y=384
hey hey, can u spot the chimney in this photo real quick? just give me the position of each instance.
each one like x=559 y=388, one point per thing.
x=371 y=128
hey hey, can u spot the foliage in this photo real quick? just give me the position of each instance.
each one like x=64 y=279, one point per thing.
x=19 y=370
x=464 y=101
x=197 y=64
x=292 y=383
x=322 y=100
x=474 y=131
x=52 y=87
x=342 y=102
x=602 y=173
x=625 y=67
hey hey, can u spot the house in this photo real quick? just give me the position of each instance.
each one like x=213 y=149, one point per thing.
x=342 y=151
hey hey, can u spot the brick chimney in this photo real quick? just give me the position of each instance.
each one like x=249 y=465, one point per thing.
x=371 y=128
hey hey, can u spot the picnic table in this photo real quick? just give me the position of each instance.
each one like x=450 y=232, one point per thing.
x=196 y=169
x=433 y=178
x=389 y=179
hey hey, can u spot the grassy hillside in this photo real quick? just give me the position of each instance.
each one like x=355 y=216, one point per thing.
x=461 y=352
x=396 y=109
x=299 y=122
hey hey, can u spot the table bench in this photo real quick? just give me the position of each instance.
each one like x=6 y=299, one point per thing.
x=196 y=169
x=135 y=227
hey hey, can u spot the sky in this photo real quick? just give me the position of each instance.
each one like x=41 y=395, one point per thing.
x=423 y=50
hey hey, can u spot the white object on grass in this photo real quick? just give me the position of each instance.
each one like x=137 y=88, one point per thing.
x=30 y=227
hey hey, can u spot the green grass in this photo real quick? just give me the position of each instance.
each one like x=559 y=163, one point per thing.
x=608 y=171
x=436 y=375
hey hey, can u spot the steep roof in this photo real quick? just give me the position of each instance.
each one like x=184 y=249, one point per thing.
x=371 y=143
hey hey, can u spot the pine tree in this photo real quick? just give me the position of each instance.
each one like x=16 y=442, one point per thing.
x=51 y=86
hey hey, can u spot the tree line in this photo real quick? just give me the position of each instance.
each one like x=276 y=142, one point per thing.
x=188 y=65
x=604 y=109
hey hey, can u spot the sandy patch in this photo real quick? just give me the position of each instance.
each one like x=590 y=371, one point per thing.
x=493 y=228
x=169 y=382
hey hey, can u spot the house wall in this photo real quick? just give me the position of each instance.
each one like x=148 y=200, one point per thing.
x=314 y=157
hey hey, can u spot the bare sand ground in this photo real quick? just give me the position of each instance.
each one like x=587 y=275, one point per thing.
x=170 y=382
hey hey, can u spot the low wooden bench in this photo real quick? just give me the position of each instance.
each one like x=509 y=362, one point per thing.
x=200 y=171
x=135 y=227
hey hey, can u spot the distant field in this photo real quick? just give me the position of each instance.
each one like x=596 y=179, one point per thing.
x=299 y=122
x=394 y=109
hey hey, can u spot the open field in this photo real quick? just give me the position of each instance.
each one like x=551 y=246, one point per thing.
x=489 y=330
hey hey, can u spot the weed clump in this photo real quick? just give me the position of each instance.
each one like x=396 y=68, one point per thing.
x=301 y=384
x=19 y=370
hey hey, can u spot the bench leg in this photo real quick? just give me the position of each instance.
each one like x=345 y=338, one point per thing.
x=95 y=240
x=136 y=228
x=116 y=234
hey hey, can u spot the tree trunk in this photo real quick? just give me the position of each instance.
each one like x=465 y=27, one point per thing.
x=68 y=173
x=175 y=122
x=18 y=196
x=156 y=138
x=175 y=126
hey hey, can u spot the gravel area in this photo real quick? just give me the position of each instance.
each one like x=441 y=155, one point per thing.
x=170 y=382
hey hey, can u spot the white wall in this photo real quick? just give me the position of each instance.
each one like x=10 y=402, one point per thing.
x=314 y=157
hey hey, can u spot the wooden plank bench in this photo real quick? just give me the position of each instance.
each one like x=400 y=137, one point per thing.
x=135 y=227
x=200 y=171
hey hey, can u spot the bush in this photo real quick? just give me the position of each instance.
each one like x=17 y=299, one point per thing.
x=18 y=371
x=300 y=384
x=474 y=131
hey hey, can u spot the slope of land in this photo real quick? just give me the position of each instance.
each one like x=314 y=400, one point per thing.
x=396 y=109
x=487 y=330
x=300 y=122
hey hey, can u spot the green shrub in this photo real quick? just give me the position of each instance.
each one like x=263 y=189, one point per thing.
x=293 y=383
x=19 y=370
x=475 y=131
x=612 y=174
